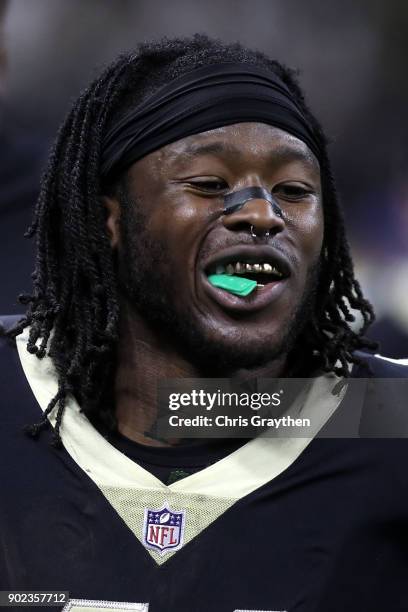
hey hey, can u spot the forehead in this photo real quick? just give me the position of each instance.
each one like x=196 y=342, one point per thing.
x=238 y=142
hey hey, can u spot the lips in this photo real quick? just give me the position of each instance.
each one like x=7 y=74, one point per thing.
x=271 y=286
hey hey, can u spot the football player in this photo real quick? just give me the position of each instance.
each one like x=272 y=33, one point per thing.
x=188 y=227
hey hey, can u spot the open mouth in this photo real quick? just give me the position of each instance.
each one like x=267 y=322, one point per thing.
x=261 y=271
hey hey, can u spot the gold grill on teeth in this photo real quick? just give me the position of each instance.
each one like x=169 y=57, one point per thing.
x=243 y=268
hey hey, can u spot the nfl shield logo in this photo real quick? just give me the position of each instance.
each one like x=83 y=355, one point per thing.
x=163 y=529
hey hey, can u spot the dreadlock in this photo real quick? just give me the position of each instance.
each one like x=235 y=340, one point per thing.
x=73 y=310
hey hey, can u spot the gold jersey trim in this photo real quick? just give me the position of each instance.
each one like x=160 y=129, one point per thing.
x=236 y=475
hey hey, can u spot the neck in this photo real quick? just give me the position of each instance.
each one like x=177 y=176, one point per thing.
x=144 y=358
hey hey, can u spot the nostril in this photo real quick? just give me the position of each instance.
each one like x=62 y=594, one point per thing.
x=261 y=234
x=241 y=226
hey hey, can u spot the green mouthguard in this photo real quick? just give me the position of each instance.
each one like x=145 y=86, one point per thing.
x=234 y=284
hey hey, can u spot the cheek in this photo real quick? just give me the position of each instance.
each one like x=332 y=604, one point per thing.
x=177 y=225
x=181 y=216
x=309 y=226
x=180 y=226
x=313 y=236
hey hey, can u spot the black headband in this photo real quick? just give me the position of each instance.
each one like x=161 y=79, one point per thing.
x=204 y=99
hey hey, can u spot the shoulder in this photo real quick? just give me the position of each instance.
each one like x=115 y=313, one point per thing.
x=7 y=343
x=7 y=322
x=380 y=399
x=12 y=378
x=377 y=366
x=18 y=405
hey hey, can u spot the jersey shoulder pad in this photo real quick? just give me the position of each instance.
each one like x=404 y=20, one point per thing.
x=378 y=366
x=7 y=322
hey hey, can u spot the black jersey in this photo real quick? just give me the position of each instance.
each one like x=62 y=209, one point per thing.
x=295 y=524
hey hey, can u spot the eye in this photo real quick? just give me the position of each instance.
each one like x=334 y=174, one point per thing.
x=211 y=186
x=292 y=192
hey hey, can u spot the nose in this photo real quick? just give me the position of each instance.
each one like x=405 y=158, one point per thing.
x=256 y=215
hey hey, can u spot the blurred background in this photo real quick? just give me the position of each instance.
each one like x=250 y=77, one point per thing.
x=352 y=57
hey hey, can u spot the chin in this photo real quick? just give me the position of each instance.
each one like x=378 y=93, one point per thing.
x=224 y=350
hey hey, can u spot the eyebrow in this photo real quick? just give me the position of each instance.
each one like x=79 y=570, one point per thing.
x=281 y=154
x=196 y=150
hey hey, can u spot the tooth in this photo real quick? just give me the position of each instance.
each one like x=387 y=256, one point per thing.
x=267 y=268
x=230 y=269
x=219 y=269
x=248 y=267
x=257 y=267
x=276 y=271
x=238 y=267
x=259 y=285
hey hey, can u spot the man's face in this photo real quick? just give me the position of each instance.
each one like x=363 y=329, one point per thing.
x=174 y=234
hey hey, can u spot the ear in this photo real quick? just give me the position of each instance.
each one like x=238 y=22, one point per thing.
x=112 y=220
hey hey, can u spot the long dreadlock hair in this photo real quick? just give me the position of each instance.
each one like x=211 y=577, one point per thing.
x=73 y=310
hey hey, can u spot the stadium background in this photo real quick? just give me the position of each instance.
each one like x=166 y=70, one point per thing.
x=352 y=56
